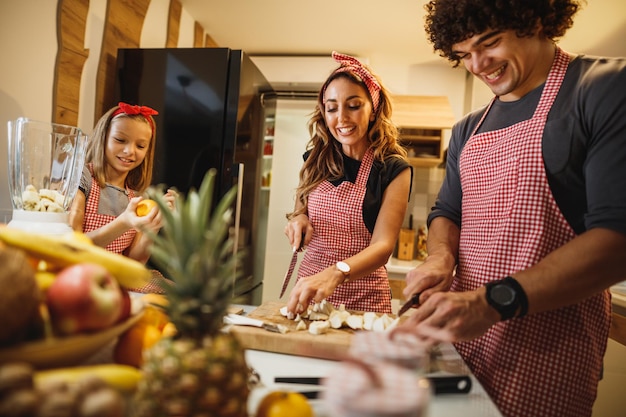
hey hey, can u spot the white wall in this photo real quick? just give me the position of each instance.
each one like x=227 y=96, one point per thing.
x=28 y=46
x=290 y=139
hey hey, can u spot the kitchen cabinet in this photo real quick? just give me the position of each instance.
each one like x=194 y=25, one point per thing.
x=424 y=123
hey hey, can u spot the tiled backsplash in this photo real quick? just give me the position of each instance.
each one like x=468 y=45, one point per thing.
x=426 y=184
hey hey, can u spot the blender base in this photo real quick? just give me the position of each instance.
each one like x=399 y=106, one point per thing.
x=41 y=222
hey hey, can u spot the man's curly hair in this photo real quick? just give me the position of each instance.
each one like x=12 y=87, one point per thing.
x=452 y=21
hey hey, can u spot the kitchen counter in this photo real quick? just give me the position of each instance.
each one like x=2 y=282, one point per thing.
x=269 y=365
x=396 y=273
x=618 y=322
x=618 y=297
x=396 y=266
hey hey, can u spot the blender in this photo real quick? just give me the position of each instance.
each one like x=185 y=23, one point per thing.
x=45 y=165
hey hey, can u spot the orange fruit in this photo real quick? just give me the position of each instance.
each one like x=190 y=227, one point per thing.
x=130 y=345
x=284 y=404
x=154 y=316
x=145 y=206
x=141 y=336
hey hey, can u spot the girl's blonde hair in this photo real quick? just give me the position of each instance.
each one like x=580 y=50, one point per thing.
x=140 y=177
x=325 y=160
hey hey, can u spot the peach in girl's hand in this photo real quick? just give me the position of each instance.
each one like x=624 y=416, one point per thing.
x=144 y=207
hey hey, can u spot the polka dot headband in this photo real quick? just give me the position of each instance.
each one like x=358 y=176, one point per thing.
x=353 y=66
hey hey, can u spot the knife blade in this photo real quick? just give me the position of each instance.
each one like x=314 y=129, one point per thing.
x=292 y=266
x=413 y=301
x=237 y=320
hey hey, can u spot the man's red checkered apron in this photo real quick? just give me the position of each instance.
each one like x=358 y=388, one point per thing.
x=545 y=364
x=94 y=220
x=336 y=214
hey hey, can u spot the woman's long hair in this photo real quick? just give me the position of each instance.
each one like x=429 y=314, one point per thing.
x=325 y=159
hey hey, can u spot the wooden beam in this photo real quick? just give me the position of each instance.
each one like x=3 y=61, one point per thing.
x=70 y=60
x=209 y=42
x=198 y=35
x=122 y=29
x=173 y=23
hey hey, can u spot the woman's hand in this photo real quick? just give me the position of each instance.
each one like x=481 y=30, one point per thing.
x=299 y=231
x=313 y=288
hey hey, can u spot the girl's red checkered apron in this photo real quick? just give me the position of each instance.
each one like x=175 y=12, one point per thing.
x=94 y=220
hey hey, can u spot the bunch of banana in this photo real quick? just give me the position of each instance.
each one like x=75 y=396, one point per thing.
x=63 y=251
x=122 y=377
x=87 y=391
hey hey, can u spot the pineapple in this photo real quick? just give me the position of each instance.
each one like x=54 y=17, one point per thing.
x=201 y=371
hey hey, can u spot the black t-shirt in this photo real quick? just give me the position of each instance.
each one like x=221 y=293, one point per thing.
x=381 y=175
x=584 y=145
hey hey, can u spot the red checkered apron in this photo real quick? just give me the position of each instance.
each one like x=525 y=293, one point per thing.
x=545 y=364
x=94 y=220
x=336 y=214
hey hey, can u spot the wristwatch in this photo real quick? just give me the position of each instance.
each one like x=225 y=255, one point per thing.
x=507 y=297
x=344 y=268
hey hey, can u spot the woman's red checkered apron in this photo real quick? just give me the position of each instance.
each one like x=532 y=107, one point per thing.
x=336 y=214
x=545 y=364
x=94 y=220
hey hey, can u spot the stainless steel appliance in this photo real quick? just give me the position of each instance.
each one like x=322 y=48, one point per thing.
x=214 y=108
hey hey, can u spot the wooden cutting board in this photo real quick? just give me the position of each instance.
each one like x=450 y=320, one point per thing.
x=332 y=345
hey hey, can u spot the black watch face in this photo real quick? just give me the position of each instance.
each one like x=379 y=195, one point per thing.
x=502 y=294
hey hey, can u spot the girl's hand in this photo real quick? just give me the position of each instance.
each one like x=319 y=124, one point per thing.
x=170 y=197
x=151 y=221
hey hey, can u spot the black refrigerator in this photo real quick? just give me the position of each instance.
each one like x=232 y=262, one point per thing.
x=215 y=110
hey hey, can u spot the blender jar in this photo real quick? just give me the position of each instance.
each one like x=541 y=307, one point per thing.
x=45 y=165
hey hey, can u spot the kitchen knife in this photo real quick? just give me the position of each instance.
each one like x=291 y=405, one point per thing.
x=414 y=301
x=292 y=266
x=445 y=384
x=236 y=319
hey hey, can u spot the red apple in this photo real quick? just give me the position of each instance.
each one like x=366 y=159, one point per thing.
x=84 y=297
x=126 y=305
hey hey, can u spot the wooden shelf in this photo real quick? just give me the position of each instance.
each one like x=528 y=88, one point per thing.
x=421 y=121
x=426 y=112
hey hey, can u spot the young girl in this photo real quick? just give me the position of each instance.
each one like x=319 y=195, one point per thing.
x=118 y=169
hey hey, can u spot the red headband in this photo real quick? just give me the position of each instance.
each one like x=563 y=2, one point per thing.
x=351 y=64
x=131 y=110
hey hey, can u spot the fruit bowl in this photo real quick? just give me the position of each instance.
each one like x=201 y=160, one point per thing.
x=65 y=351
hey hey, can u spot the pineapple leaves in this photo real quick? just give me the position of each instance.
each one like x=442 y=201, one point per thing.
x=195 y=250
